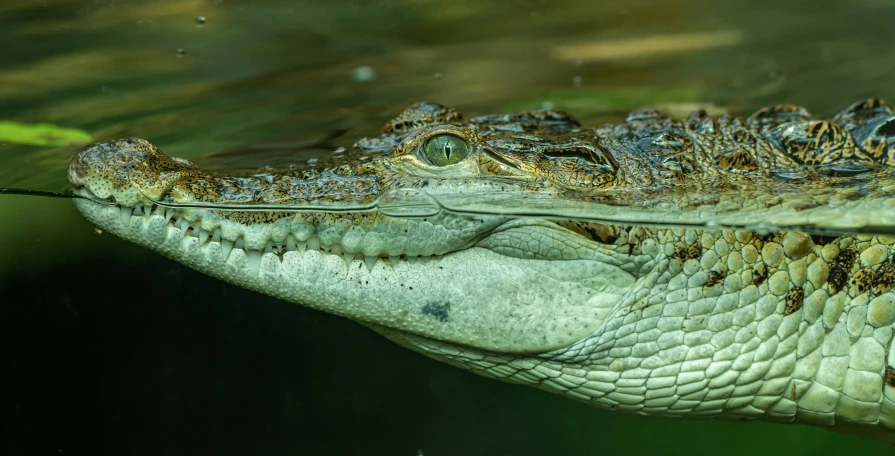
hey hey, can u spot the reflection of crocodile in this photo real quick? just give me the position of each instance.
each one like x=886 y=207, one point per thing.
x=693 y=321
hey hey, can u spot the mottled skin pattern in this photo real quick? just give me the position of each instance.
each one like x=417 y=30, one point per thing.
x=657 y=318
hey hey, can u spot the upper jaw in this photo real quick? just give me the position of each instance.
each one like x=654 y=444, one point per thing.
x=140 y=180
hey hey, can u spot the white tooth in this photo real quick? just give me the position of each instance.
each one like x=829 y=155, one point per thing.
x=254 y=259
x=147 y=210
x=301 y=246
x=348 y=258
x=370 y=261
x=183 y=224
x=226 y=247
x=290 y=243
x=169 y=212
x=125 y=216
x=336 y=249
x=268 y=248
x=393 y=259
x=216 y=237
x=203 y=236
x=238 y=244
x=313 y=243
x=136 y=210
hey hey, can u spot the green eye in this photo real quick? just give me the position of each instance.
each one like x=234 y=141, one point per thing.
x=443 y=150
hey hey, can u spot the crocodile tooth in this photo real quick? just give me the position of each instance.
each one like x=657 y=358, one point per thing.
x=183 y=224
x=268 y=248
x=393 y=259
x=370 y=261
x=226 y=247
x=253 y=257
x=169 y=213
x=290 y=243
x=348 y=258
x=136 y=210
x=203 y=236
x=313 y=243
x=125 y=216
x=216 y=237
x=301 y=246
x=336 y=249
x=147 y=210
x=238 y=244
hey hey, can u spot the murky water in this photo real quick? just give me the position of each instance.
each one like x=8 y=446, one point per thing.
x=118 y=351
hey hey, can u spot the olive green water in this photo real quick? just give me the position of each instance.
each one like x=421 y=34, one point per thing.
x=114 y=350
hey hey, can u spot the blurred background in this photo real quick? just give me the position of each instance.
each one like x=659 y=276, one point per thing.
x=113 y=350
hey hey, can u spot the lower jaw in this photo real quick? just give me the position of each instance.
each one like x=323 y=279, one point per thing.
x=312 y=278
x=478 y=284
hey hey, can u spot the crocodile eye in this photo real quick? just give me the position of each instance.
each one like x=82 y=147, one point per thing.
x=443 y=150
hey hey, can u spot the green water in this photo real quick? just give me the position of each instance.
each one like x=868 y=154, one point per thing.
x=116 y=351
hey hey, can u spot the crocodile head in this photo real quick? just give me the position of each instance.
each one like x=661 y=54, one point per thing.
x=467 y=279
x=689 y=252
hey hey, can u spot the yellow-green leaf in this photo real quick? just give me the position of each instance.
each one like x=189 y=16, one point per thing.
x=42 y=134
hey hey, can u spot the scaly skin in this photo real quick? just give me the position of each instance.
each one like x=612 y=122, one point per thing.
x=756 y=283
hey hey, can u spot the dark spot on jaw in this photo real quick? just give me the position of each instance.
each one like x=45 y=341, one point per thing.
x=820 y=239
x=440 y=310
x=759 y=274
x=890 y=376
x=842 y=265
x=837 y=279
x=715 y=278
x=680 y=253
x=694 y=252
x=846 y=259
x=885 y=279
x=863 y=280
x=794 y=300
x=763 y=237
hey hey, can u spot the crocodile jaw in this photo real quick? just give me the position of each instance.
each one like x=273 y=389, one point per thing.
x=475 y=296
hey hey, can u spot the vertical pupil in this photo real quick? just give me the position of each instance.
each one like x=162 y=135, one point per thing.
x=447 y=150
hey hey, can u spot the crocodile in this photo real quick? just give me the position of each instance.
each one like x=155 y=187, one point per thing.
x=713 y=267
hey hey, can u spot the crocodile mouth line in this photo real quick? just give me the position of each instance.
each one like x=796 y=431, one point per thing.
x=178 y=225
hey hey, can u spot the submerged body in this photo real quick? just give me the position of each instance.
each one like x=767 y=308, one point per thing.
x=778 y=306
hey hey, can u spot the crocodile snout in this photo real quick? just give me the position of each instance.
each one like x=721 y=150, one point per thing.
x=127 y=170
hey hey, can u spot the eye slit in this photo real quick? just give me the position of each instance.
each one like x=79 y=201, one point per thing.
x=444 y=150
